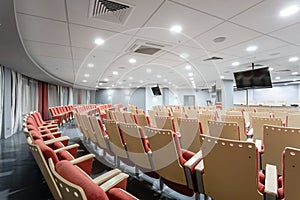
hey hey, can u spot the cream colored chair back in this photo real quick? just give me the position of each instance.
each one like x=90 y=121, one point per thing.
x=129 y=117
x=40 y=160
x=83 y=127
x=164 y=113
x=89 y=128
x=165 y=155
x=115 y=139
x=152 y=114
x=68 y=190
x=176 y=116
x=191 y=113
x=98 y=132
x=204 y=118
x=77 y=121
x=258 y=114
x=227 y=130
x=240 y=120
x=120 y=117
x=280 y=114
x=258 y=125
x=141 y=120
x=234 y=113
x=164 y=123
x=291 y=177
x=190 y=131
x=230 y=169
x=293 y=120
x=276 y=138
x=133 y=136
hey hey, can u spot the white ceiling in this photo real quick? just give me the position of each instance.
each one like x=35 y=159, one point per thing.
x=59 y=35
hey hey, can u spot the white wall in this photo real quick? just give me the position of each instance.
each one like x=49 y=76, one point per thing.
x=152 y=100
x=200 y=96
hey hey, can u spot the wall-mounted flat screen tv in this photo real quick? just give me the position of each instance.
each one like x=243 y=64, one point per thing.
x=156 y=91
x=250 y=79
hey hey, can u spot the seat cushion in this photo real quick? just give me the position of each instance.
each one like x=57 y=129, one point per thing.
x=46 y=151
x=71 y=173
x=119 y=194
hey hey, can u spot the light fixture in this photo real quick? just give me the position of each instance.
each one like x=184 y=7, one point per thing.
x=191 y=78
x=115 y=73
x=176 y=29
x=99 y=41
x=91 y=65
x=132 y=60
x=289 y=11
x=251 y=48
x=87 y=75
x=184 y=55
x=221 y=77
x=190 y=74
x=84 y=81
x=188 y=67
x=130 y=78
x=170 y=83
x=148 y=70
x=271 y=68
x=293 y=59
x=235 y=64
x=106 y=79
x=130 y=85
x=294 y=73
x=100 y=83
x=165 y=80
x=277 y=77
x=112 y=85
x=141 y=81
x=158 y=76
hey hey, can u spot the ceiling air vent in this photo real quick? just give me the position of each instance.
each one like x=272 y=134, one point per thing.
x=213 y=58
x=111 y=11
x=147 y=48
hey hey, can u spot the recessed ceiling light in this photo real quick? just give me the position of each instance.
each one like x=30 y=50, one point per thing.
x=294 y=73
x=188 y=67
x=176 y=29
x=170 y=83
x=141 y=81
x=219 y=39
x=112 y=85
x=158 y=76
x=86 y=75
x=91 y=65
x=184 y=55
x=130 y=78
x=286 y=84
x=191 y=78
x=100 y=83
x=293 y=59
x=190 y=74
x=271 y=69
x=115 y=73
x=132 y=60
x=84 y=81
x=235 y=64
x=165 y=80
x=289 y=11
x=251 y=48
x=106 y=79
x=130 y=85
x=174 y=85
x=277 y=77
x=148 y=70
x=221 y=77
x=99 y=41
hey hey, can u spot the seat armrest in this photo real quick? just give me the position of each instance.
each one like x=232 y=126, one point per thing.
x=200 y=166
x=82 y=159
x=55 y=134
x=250 y=132
x=247 y=125
x=105 y=177
x=194 y=160
x=113 y=181
x=66 y=148
x=189 y=168
x=271 y=182
x=258 y=145
x=60 y=139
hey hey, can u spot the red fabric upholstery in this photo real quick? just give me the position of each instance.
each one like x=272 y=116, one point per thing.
x=261 y=181
x=182 y=189
x=144 y=140
x=74 y=175
x=119 y=194
x=46 y=151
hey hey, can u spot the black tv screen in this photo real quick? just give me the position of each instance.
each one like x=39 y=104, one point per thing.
x=156 y=91
x=256 y=78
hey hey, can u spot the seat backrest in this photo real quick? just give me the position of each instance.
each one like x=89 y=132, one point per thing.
x=204 y=118
x=190 y=130
x=258 y=125
x=99 y=132
x=136 y=144
x=191 y=113
x=230 y=169
x=40 y=160
x=234 y=113
x=176 y=115
x=280 y=114
x=165 y=123
x=227 y=130
x=293 y=120
x=129 y=117
x=275 y=140
x=258 y=114
x=152 y=114
x=89 y=128
x=240 y=120
x=291 y=162
x=74 y=184
x=116 y=141
x=166 y=154
x=142 y=120
x=120 y=116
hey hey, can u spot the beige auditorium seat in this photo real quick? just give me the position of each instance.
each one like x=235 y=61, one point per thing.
x=152 y=114
x=227 y=130
x=258 y=125
x=165 y=123
x=120 y=116
x=293 y=120
x=142 y=120
x=240 y=120
x=129 y=117
x=204 y=118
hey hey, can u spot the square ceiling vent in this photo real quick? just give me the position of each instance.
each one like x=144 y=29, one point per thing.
x=147 y=47
x=111 y=11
